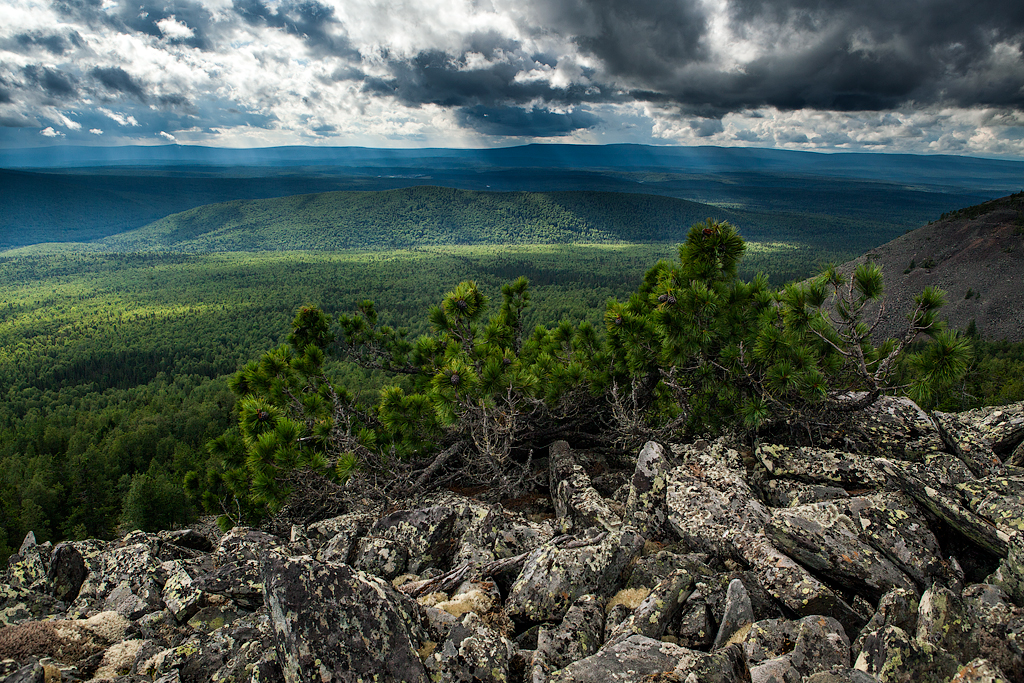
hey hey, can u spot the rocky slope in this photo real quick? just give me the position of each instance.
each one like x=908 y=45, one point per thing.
x=892 y=552
x=975 y=254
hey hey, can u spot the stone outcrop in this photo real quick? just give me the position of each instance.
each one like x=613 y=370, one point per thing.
x=875 y=556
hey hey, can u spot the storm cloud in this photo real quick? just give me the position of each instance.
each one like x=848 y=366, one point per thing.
x=934 y=75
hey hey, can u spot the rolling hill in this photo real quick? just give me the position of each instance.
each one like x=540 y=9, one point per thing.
x=435 y=216
x=975 y=254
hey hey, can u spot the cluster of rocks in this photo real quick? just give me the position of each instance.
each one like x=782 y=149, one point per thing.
x=893 y=552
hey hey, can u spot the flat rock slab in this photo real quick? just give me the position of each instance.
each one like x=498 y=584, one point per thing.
x=633 y=659
x=820 y=466
x=998 y=499
x=824 y=538
x=923 y=485
x=332 y=622
x=891 y=427
x=985 y=436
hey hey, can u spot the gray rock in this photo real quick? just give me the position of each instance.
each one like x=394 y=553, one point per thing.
x=181 y=595
x=1000 y=629
x=128 y=579
x=578 y=636
x=625 y=661
x=980 y=671
x=840 y=674
x=809 y=645
x=898 y=608
x=578 y=505
x=67 y=572
x=944 y=621
x=332 y=622
x=1009 y=576
x=997 y=499
x=238 y=580
x=30 y=673
x=926 y=487
x=695 y=630
x=738 y=618
x=982 y=437
x=19 y=605
x=783 y=493
x=892 y=656
x=553 y=577
x=654 y=613
x=820 y=466
x=645 y=505
x=823 y=538
x=410 y=541
x=891 y=427
x=892 y=524
x=472 y=653
x=779 y=670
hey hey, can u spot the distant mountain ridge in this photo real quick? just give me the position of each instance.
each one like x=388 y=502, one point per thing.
x=942 y=170
x=975 y=254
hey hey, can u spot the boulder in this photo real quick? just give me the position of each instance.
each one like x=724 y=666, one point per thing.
x=983 y=437
x=921 y=483
x=824 y=538
x=554 y=575
x=410 y=541
x=578 y=636
x=784 y=493
x=891 y=427
x=896 y=608
x=472 y=653
x=892 y=656
x=1000 y=629
x=129 y=579
x=738 y=617
x=979 y=671
x=67 y=572
x=632 y=659
x=645 y=504
x=892 y=523
x=997 y=499
x=578 y=505
x=653 y=615
x=332 y=622
x=820 y=466
x=781 y=648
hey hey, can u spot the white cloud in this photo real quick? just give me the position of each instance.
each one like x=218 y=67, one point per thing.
x=49 y=132
x=96 y=131
x=118 y=117
x=167 y=136
x=172 y=28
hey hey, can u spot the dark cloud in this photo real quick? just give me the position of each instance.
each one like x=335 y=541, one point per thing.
x=54 y=43
x=436 y=77
x=518 y=122
x=117 y=80
x=143 y=17
x=844 y=55
x=53 y=81
x=309 y=20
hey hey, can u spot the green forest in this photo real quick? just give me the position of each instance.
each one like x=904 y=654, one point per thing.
x=115 y=364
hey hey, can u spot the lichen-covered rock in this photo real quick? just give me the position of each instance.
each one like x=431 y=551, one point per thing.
x=944 y=621
x=1009 y=576
x=67 y=572
x=982 y=437
x=238 y=580
x=892 y=524
x=128 y=579
x=823 y=538
x=410 y=541
x=645 y=505
x=806 y=646
x=820 y=466
x=1000 y=629
x=472 y=653
x=738 y=617
x=352 y=525
x=181 y=595
x=578 y=505
x=794 y=586
x=784 y=493
x=898 y=608
x=653 y=615
x=553 y=577
x=840 y=674
x=696 y=629
x=18 y=605
x=922 y=485
x=650 y=569
x=332 y=622
x=579 y=635
x=625 y=661
x=998 y=499
x=494 y=533
x=892 y=656
x=980 y=671
x=891 y=427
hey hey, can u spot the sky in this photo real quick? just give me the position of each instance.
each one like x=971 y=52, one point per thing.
x=919 y=76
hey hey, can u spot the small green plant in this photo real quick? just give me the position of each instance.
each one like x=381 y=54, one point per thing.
x=928 y=263
x=913 y=264
x=969 y=294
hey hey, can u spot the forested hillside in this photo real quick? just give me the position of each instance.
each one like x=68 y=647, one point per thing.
x=433 y=216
